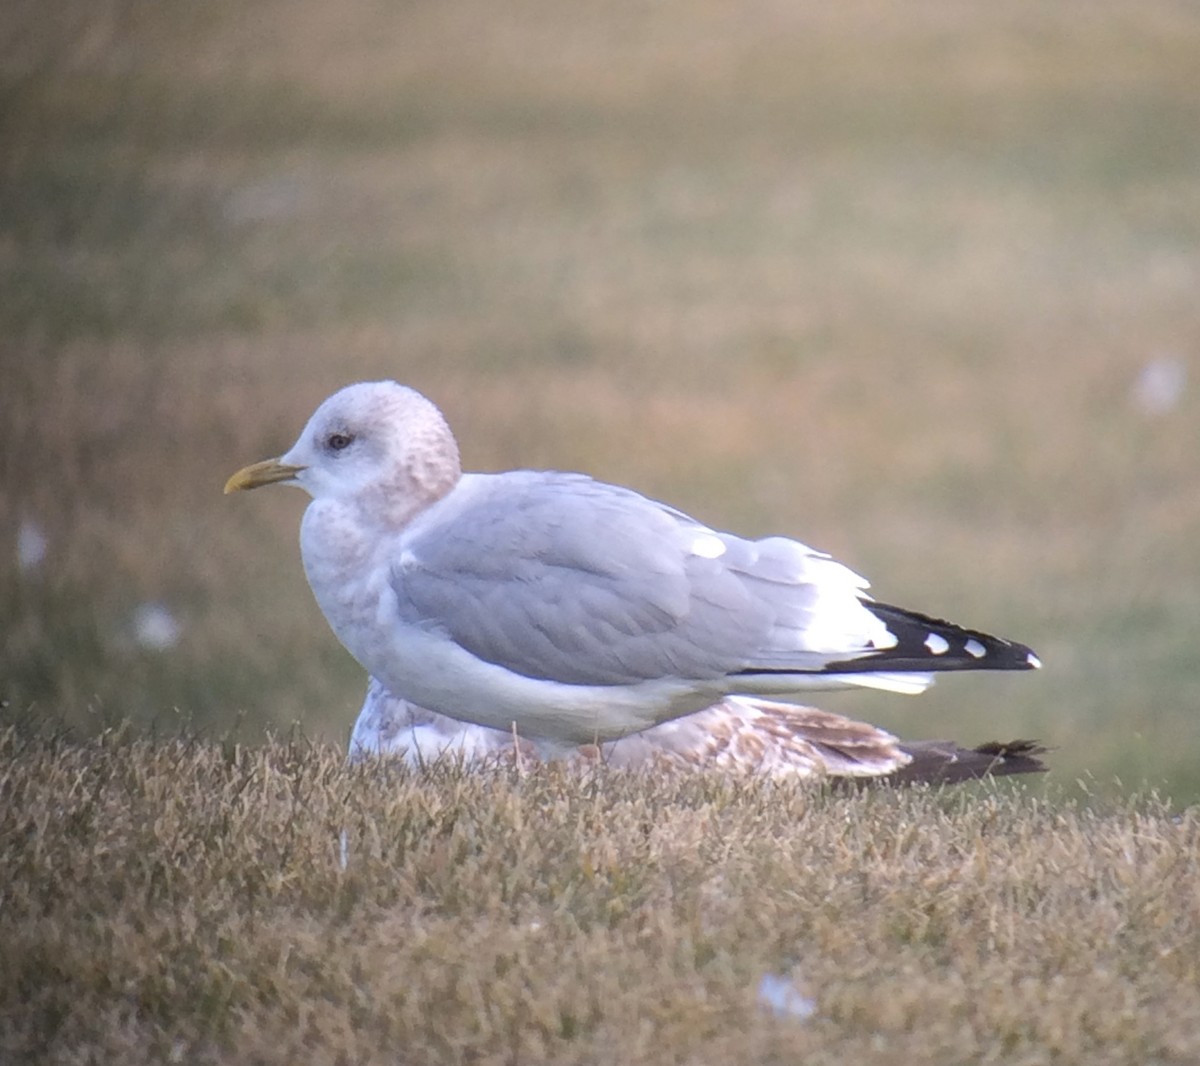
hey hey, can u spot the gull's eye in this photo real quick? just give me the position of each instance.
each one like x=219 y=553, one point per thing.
x=337 y=442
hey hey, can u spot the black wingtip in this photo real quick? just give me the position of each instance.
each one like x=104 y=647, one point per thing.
x=927 y=643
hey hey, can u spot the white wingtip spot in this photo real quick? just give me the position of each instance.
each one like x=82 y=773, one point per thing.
x=937 y=644
x=1034 y=661
x=887 y=639
x=974 y=649
x=708 y=546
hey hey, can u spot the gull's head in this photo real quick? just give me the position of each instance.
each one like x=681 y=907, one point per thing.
x=377 y=444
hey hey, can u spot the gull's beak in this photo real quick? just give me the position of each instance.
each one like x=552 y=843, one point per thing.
x=268 y=472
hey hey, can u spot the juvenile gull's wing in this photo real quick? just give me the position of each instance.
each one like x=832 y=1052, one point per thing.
x=738 y=734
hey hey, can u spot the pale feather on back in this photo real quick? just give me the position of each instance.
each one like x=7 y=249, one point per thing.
x=558 y=576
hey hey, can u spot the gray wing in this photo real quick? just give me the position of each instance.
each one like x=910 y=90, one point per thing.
x=556 y=576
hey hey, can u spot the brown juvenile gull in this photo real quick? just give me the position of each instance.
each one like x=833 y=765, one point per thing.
x=740 y=734
x=567 y=609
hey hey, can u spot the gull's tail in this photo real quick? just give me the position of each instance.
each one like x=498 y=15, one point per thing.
x=942 y=762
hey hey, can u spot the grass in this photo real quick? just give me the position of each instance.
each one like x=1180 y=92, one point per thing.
x=183 y=900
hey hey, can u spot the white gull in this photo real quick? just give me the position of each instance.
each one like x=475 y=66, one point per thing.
x=567 y=609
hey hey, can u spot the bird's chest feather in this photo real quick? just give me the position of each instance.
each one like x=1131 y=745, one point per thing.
x=341 y=561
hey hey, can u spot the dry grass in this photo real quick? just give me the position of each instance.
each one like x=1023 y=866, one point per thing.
x=184 y=901
x=880 y=277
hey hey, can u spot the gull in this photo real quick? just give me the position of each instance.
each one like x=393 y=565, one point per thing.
x=566 y=609
x=739 y=734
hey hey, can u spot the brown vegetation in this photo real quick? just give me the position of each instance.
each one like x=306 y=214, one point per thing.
x=187 y=901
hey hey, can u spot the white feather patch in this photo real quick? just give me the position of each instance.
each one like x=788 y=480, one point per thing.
x=937 y=645
x=708 y=546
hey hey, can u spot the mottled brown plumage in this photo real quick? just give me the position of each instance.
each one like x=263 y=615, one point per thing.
x=738 y=735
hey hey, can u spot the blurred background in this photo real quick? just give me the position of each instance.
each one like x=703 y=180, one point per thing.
x=918 y=284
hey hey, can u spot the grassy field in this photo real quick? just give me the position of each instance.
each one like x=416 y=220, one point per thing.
x=186 y=902
x=914 y=283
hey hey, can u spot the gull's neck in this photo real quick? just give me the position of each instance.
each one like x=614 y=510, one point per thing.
x=348 y=541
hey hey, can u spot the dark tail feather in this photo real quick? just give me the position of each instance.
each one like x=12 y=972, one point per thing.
x=942 y=762
x=925 y=643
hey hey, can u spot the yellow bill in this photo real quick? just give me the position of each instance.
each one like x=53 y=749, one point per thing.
x=254 y=476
